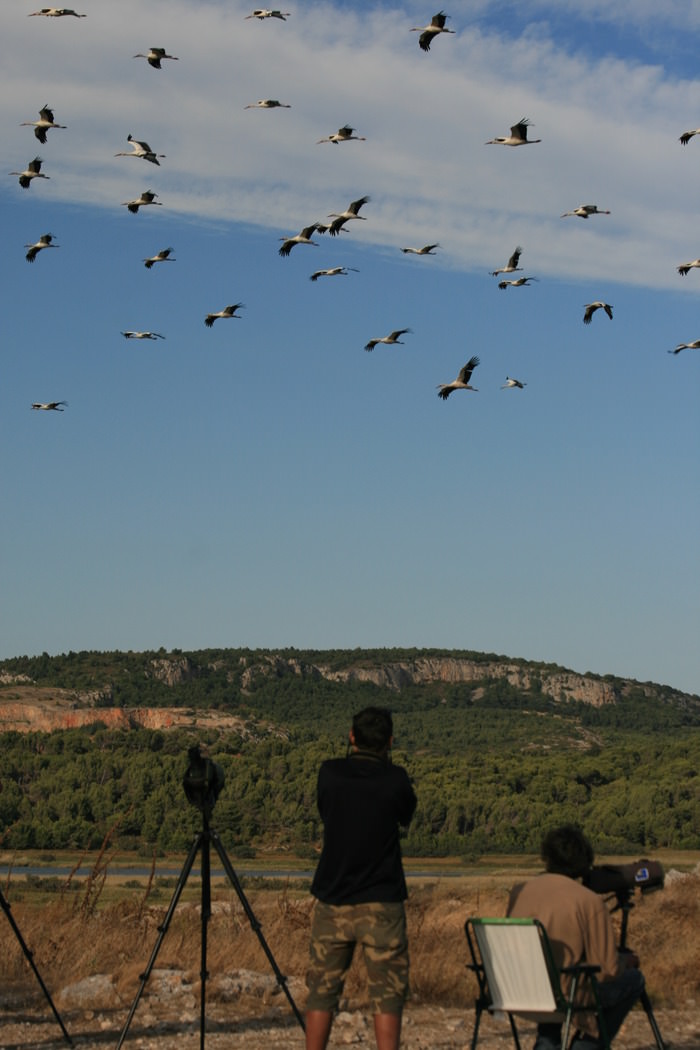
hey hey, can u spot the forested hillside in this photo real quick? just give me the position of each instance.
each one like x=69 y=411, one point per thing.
x=498 y=749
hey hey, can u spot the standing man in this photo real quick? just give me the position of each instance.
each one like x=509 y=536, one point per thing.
x=359 y=883
x=580 y=929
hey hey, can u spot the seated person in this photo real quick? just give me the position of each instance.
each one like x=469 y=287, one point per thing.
x=580 y=929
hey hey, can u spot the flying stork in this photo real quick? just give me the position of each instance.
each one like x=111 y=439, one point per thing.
x=684 y=268
x=512 y=265
x=49 y=406
x=344 y=134
x=57 y=12
x=261 y=12
x=390 y=339
x=304 y=237
x=584 y=210
x=513 y=383
x=427 y=33
x=143 y=335
x=427 y=249
x=42 y=125
x=228 y=311
x=687 y=136
x=334 y=272
x=517 y=137
x=268 y=103
x=45 y=241
x=592 y=307
x=695 y=345
x=147 y=197
x=462 y=380
x=155 y=55
x=140 y=149
x=518 y=282
x=162 y=256
x=32 y=171
x=351 y=212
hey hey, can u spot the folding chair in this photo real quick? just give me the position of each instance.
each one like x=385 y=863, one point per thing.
x=517 y=975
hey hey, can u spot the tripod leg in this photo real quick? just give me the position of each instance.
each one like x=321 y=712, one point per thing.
x=206 y=915
x=255 y=925
x=187 y=867
x=5 y=904
x=646 y=1003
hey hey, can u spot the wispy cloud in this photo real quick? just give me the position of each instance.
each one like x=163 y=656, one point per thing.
x=609 y=129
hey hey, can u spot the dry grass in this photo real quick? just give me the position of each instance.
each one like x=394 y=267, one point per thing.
x=72 y=939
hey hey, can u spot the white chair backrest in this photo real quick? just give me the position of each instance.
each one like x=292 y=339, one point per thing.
x=516 y=968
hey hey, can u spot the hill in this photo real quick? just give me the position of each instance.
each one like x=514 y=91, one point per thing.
x=96 y=743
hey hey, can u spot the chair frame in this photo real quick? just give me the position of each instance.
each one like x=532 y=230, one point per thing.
x=581 y=975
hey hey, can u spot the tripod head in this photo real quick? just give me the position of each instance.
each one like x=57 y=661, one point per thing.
x=202 y=782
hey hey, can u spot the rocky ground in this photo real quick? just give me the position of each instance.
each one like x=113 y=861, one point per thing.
x=247 y=1011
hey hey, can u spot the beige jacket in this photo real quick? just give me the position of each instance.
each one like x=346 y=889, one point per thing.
x=577 y=921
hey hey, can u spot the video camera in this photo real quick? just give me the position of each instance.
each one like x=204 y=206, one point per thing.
x=623 y=879
x=203 y=781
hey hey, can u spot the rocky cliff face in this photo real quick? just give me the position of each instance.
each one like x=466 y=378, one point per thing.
x=47 y=710
x=560 y=685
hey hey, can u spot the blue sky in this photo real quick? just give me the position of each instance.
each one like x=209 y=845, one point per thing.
x=266 y=482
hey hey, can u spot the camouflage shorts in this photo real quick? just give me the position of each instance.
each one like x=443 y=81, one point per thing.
x=380 y=928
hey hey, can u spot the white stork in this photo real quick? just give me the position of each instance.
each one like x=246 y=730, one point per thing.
x=590 y=309
x=32 y=171
x=141 y=150
x=687 y=136
x=584 y=210
x=261 y=12
x=57 y=12
x=45 y=241
x=429 y=32
x=513 y=383
x=351 y=212
x=162 y=256
x=462 y=380
x=695 y=345
x=390 y=339
x=512 y=265
x=147 y=197
x=42 y=125
x=427 y=249
x=518 y=282
x=49 y=406
x=517 y=137
x=143 y=335
x=228 y=311
x=304 y=237
x=335 y=271
x=344 y=134
x=268 y=103
x=685 y=268
x=155 y=55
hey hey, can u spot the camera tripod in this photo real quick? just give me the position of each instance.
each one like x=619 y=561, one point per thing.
x=625 y=905
x=203 y=842
x=5 y=905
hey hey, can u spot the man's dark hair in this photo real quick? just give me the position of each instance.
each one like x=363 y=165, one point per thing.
x=567 y=851
x=372 y=729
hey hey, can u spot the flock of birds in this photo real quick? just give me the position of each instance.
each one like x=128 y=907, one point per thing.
x=141 y=150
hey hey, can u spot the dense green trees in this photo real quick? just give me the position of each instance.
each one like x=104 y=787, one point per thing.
x=493 y=764
x=69 y=789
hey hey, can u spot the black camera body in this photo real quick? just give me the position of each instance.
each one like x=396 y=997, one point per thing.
x=624 y=879
x=203 y=781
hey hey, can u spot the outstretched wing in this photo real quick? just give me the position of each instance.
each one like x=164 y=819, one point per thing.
x=466 y=372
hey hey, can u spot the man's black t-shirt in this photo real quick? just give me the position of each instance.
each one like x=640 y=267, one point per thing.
x=362 y=800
